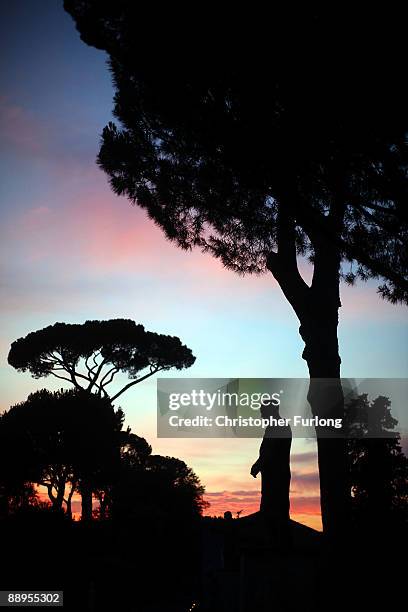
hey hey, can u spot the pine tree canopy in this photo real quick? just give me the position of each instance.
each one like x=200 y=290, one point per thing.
x=261 y=137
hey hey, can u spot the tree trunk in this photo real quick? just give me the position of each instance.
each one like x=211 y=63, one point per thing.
x=86 y=507
x=319 y=332
x=59 y=499
x=316 y=307
x=69 y=501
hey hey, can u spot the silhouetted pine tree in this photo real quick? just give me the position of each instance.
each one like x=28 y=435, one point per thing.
x=262 y=138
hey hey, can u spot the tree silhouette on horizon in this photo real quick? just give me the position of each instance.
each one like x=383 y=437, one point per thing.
x=71 y=441
x=289 y=146
x=156 y=486
x=89 y=355
x=134 y=452
x=378 y=468
x=65 y=441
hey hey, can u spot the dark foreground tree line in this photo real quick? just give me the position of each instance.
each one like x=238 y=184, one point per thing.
x=147 y=525
x=73 y=441
x=141 y=514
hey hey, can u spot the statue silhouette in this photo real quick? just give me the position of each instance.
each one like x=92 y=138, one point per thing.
x=274 y=465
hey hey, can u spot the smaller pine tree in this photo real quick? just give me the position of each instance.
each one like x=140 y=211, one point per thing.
x=378 y=468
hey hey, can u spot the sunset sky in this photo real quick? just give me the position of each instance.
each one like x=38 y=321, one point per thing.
x=72 y=251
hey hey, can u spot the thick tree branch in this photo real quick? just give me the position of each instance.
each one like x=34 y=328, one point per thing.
x=327 y=256
x=67 y=379
x=94 y=357
x=88 y=367
x=70 y=494
x=79 y=375
x=96 y=376
x=113 y=370
x=134 y=382
x=283 y=264
x=49 y=488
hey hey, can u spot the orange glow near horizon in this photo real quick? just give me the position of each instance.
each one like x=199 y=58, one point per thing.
x=305 y=510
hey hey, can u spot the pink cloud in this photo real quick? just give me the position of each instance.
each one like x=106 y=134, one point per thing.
x=307 y=482
x=105 y=235
x=91 y=232
x=100 y=235
x=310 y=457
